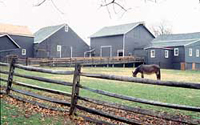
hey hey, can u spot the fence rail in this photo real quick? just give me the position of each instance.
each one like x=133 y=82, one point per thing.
x=74 y=60
x=76 y=97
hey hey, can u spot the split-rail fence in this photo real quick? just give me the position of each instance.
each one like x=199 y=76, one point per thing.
x=75 y=96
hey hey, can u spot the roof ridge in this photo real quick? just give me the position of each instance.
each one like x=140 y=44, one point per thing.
x=116 y=29
x=39 y=37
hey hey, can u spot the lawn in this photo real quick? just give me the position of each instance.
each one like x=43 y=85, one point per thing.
x=165 y=94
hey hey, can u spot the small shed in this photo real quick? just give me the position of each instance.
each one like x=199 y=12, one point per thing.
x=58 y=42
x=175 y=51
x=121 y=40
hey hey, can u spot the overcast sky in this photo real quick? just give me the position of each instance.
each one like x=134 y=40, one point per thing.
x=85 y=17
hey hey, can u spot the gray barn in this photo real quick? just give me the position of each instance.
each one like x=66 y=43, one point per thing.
x=121 y=40
x=57 y=42
x=175 y=51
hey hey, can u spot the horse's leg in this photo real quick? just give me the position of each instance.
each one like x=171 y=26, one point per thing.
x=158 y=75
x=142 y=75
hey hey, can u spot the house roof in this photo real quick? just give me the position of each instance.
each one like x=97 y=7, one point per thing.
x=173 y=40
x=115 y=30
x=46 y=32
x=6 y=35
x=15 y=30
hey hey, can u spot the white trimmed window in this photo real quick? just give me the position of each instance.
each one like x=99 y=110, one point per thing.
x=166 y=53
x=190 y=51
x=66 y=28
x=176 y=51
x=24 y=52
x=120 y=52
x=59 y=48
x=197 y=52
x=153 y=54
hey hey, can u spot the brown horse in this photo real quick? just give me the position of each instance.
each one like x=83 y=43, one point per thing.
x=147 y=69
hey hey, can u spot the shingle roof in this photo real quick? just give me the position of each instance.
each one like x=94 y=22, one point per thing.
x=115 y=30
x=46 y=32
x=15 y=30
x=173 y=40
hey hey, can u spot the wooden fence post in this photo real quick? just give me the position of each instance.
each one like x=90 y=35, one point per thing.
x=10 y=75
x=75 y=89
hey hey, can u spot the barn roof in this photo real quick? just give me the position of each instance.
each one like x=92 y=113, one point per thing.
x=173 y=40
x=116 y=30
x=15 y=30
x=6 y=35
x=46 y=32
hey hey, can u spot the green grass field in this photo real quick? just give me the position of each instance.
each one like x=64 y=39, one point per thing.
x=165 y=94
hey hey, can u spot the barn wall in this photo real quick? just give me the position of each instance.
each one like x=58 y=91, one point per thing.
x=6 y=43
x=176 y=61
x=7 y=47
x=68 y=40
x=192 y=58
x=114 y=41
x=160 y=58
x=24 y=42
x=136 y=40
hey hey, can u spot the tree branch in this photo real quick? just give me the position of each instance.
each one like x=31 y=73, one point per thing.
x=40 y=3
x=56 y=7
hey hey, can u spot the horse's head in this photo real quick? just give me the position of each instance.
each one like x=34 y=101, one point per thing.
x=136 y=71
x=134 y=74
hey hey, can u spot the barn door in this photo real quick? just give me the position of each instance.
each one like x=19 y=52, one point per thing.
x=106 y=51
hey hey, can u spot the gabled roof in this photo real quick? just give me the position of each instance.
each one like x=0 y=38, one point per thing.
x=46 y=32
x=6 y=35
x=173 y=40
x=15 y=30
x=116 y=30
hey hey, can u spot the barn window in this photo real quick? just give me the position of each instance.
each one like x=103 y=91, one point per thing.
x=24 y=52
x=153 y=54
x=190 y=51
x=66 y=28
x=120 y=52
x=58 y=47
x=176 y=51
x=197 y=52
x=166 y=53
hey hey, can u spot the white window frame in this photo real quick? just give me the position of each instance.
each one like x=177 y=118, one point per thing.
x=66 y=28
x=166 y=53
x=190 y=51
x=176 y=50
x=119 y=51
x=197 y=52
x=23 y=52
x=153 y=53
x=59 y=48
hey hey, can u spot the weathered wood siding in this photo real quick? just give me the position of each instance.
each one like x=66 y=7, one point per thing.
x=68 y=40
x=192 y=58
x=116 y=42
x=24 y=42
x=136 y=40
x=160 y=58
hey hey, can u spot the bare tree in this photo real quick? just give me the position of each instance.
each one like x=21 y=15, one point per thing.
x=110 y=5
x=53 y=3
x=161 y=28
x=115 y=6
